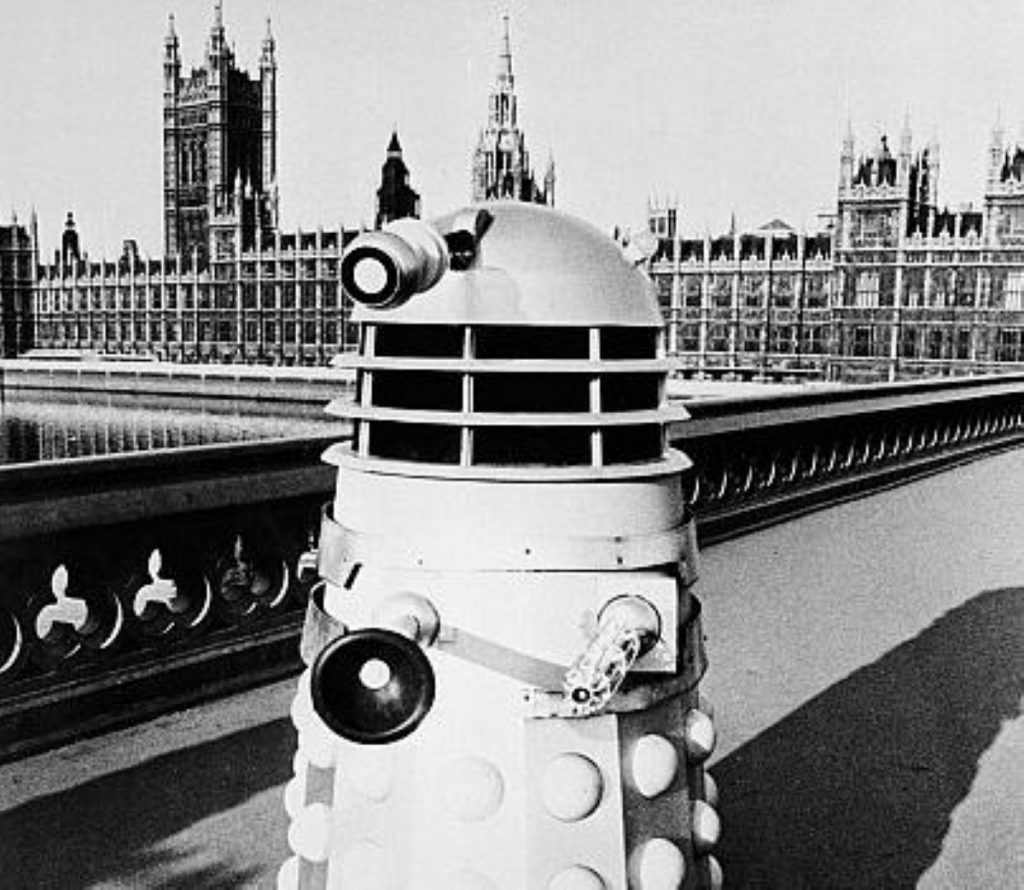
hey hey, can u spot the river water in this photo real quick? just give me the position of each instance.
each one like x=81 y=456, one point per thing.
x=47 y=426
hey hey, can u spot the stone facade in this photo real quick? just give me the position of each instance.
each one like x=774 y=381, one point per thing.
x=232 y=287
x=279 y=304
x=894 y=286
x=220 y=149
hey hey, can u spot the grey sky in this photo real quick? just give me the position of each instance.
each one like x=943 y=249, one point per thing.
x=727 y=105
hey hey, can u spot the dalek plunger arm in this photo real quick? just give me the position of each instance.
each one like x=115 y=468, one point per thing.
x=628 y=628
x=374 y=686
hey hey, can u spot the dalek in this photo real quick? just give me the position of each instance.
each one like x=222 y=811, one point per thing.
x=504 y=649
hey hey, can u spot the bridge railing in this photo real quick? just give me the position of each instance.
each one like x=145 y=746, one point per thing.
x=763 y=459
x=142 y=582
x=136 y=583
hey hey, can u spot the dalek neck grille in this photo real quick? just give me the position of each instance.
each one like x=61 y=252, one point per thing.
x=499 y=396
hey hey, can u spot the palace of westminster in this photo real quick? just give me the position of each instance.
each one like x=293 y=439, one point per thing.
x=892 y=287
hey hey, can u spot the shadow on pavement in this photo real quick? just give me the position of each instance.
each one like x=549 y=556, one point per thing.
x=856 y=788
x=107 y=829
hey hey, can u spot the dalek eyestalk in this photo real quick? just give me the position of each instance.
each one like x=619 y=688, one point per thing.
x=383 y=270
x=628 y=628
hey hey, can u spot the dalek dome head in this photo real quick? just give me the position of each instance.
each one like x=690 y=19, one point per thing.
x=505 y=334
x=515 y=264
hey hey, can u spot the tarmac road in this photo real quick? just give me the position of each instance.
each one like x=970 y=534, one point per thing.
x=867 y=666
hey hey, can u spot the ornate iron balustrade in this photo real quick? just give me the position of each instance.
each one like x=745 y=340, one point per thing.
x=133 y=584
x=764 y=459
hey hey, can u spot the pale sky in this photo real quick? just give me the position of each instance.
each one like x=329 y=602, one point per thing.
x=727 y=105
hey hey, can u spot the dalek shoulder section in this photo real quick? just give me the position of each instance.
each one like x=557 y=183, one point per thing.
x=506 y=337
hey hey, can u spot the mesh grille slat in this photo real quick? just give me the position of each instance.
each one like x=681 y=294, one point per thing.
x=481 y=407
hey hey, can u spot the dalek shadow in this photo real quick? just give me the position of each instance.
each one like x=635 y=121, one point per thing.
x=504 y=651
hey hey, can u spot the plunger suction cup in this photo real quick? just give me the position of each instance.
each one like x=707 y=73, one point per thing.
x=372 y=686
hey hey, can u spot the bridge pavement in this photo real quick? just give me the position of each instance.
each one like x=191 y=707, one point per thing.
x=868 y=673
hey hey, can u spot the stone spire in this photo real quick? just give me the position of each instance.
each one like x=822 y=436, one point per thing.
x=501 y=163
x=394 y=146
x=267 y=56
x=395 y=198
x=997 y=150
x=846 y=158
x=171 y=40
x=505 y=75
x=172 y=61
x=906 y=136
x=217 y=42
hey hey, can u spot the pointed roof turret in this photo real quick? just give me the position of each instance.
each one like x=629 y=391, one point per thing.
x=549 y=180
x=395 y=197
x=906 y=137
x=171 y=43
x=268 y=45
x=998 y=132
x=846 y=156
x=217 y=29
x=69 y=247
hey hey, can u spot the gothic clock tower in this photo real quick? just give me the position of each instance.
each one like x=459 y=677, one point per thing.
x=501 y=163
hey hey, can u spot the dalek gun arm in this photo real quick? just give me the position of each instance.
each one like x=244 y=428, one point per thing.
x=628 y=627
